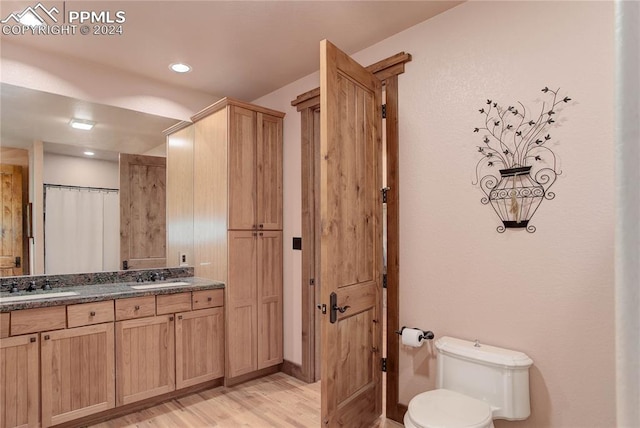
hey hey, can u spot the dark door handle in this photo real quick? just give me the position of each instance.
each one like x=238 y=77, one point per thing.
x=333 y=304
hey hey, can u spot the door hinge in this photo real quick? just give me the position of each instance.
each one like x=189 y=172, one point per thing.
x=384 y=364
x=385 y=191
x=384 y=280
x=312 y=281
x=384 y=111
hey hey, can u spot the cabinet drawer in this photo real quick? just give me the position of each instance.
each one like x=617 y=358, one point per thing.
x=28 y=321
x=208 y=299
x=170 y=303
x=135 y=307
x=89 y=313
x=4 y=324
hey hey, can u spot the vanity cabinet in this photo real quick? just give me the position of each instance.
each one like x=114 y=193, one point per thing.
x=145 y=358
x=236 y=149
x=254 y=304
x=20 y=386
x=77 y=372
x=255 y=170
x=199 y=346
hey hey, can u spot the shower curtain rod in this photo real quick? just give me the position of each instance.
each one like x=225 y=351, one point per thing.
x=64 y=186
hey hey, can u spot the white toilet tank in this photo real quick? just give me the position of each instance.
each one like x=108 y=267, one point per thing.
x=495 y=375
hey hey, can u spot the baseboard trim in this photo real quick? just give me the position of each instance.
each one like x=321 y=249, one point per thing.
x=116 y=412
x=294 y=370
x=233 y=381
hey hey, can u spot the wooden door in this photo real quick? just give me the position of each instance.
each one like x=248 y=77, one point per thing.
x=242 y=168
x=350 y=240
x=78 y=377
x=269 y=298
x=241 y=304
x=199 y=346
x=145 y=358
x=11 y=257
x=142 y=212
x=269 y=172
x=19 y=383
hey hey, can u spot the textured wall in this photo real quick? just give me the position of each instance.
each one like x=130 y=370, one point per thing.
x=549 y=294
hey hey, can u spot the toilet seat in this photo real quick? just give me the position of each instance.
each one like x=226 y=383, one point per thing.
x=442 y=408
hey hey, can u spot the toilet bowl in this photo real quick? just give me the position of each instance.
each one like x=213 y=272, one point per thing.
x=442 y=408
x=476 y=384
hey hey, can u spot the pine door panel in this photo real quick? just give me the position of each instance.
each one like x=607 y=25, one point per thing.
x=269 y=172
x=242 y=310
x=199 y=346
x=11 y=221
x=269 y=299
x=19 y=383
x=242 y=168
x=143 y=211
x=78 y=377
x=145 y=358
x=350 y=240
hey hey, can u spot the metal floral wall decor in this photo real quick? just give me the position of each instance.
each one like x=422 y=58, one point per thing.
x=517 y=167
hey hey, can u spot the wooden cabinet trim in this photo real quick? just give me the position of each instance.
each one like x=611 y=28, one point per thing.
x=89 y=313
x=4 y=324
x=27 y=321
x=207 y=299
x=171 y=303
x=135 y=307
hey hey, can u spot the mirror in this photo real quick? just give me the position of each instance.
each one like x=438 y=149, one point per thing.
x=29 y=116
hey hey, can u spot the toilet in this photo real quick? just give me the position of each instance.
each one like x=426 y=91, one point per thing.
x=475 y=384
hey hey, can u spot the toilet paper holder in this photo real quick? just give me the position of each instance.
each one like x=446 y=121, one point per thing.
x=426 y=334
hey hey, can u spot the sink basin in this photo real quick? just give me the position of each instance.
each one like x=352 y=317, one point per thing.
x=37 y=296
x=160 y=285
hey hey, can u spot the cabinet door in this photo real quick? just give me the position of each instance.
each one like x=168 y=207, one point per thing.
x=19 y=386
x=242 y=304
x=269 y=172
x=145 y=358
x=242 y=168
x=269 y=299
x=199 y=346
x=77 y=373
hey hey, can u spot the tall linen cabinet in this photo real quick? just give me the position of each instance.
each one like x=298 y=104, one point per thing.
x=235 y=151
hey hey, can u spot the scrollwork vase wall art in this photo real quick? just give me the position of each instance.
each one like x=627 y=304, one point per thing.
x=517 y=166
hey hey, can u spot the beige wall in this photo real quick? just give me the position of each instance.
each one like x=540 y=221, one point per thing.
x=550 y=293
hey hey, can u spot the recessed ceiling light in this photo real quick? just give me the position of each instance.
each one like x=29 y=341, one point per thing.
x=83 y=124
x=180 y=67
x=88 y=153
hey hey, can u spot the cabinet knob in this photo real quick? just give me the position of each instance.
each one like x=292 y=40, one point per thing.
x=209 y=299
x=179 y=317
x=137 y=307
x=261 y=226
x=92 y=313
x=32 y=339
x=46 y=337
x=170 y=318
x=261 y=234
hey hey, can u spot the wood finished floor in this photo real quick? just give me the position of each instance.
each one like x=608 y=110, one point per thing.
x=273 y=401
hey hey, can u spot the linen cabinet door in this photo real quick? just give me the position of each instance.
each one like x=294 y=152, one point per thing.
x=19 y=383
x=269 y=172
x=269 y=299
x=145 y=358
x=77 y=373
x=241 y=304
x=199 y=346
x=242 y=168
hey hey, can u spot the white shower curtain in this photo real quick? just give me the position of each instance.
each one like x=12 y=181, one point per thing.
x=81 y=230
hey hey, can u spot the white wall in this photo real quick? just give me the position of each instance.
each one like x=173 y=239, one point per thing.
x=550 y=293
x=83 y=172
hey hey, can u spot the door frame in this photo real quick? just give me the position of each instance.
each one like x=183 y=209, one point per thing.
x=308 y=104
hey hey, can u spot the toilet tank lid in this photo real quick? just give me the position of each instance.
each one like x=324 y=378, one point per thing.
x=487 y=353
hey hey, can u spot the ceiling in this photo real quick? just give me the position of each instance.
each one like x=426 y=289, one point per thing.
x=240 y=49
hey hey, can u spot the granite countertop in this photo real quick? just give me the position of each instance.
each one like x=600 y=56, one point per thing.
x=99 y=292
